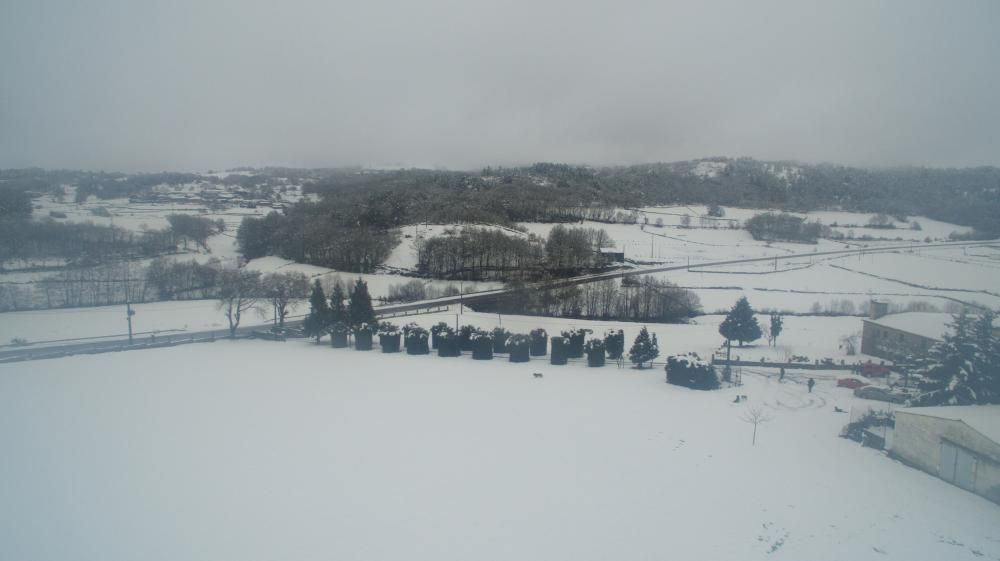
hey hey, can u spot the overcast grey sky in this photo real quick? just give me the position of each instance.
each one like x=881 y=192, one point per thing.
x=197 y=84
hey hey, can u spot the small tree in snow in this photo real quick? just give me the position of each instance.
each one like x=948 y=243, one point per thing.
x=360 y=306
x=644 y=349
x=337 y=310
x=755 y=416
x=318 y=320
x=777 y=324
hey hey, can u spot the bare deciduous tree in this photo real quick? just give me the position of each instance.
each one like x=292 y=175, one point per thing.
x=239 y=290
x=755 y=416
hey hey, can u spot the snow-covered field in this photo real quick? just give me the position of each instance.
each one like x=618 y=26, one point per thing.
x=253 y=450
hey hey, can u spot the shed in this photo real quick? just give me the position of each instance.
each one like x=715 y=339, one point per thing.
x=960 y=444
x=613 y=255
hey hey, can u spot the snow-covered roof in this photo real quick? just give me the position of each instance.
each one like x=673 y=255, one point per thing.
x=983 y=418
x=611 y=250
x=926 y=324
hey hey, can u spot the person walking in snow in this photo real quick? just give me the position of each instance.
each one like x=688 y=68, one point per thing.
x=781 y=376
x=811 y=384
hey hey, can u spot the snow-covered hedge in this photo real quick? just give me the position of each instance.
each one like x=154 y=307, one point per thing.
x=558 y=356
x=416 y=340
x=500 y=336
x=614 y=343
x=388 y=337
x=482 y=345
x=539 y=342
x=595 y=352
x=438 y=331
x=363 y=336
x=338 y=335
x=575 y=339
x=518 y=346
x=690 y=371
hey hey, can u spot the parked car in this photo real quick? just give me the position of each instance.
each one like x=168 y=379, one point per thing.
x=852 y=383
x=871 y=369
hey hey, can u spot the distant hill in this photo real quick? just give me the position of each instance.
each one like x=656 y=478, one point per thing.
x=555 y=192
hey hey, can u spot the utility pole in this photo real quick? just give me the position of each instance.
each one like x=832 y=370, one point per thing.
x=129 y=312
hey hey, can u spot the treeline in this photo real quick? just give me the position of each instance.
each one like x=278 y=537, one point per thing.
x=86 y=243
x=307 y=234
x=480 y=254
x=79 y=243
x=490 y=254
x=552 y=192
x=128 y=281
x=646 y=299
x=785 y=228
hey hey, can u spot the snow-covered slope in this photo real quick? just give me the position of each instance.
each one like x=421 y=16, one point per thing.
x=272 y=451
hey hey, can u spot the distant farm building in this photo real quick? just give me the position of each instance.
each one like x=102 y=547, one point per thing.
x=895 y=334
x=960 y=444
x=612 y=255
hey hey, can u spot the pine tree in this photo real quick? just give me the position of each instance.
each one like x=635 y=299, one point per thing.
x=776 y=325
x=360 y=306
x=989 y=347
x=644 y=349
x=740 y=325
x=962 y=368
x=337 y=310
x=318 y=320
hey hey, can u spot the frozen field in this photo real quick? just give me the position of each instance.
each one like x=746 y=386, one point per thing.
x=244 y=450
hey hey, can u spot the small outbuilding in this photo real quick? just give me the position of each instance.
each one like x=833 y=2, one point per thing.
x=612 y=255
x=960 y=444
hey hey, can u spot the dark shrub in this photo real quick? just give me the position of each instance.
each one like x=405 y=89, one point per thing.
x=363 y=337
x=691 y=372
x=482 y=345
x=614 y=344
x=595 y=352
x=416 y=341
x=338 y=335
x=519 y=346
x=558 y=356
x=500 y=336
x=449 y=344
x=437 y=330
x=388 y=338
x=465 y=336
x=575 y=345
x=539 y=342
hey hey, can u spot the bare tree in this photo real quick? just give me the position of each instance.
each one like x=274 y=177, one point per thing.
x=755 y=416
x=282 y=290
x=239 y=290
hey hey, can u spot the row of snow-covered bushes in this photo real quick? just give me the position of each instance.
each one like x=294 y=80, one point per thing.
x=683 y=370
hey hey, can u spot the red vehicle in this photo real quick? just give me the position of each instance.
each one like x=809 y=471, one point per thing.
x=852 y=383
x=871 y=369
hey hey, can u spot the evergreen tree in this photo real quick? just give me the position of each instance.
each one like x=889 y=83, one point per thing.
x=740 y=325
x=644 y=349
x=337 y=310
x=318 y=320
x=962 y=368
x=989 y=347
x=776 y=324
x=360 y=308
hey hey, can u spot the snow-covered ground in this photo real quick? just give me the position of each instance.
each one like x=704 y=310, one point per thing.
x=254 y=450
